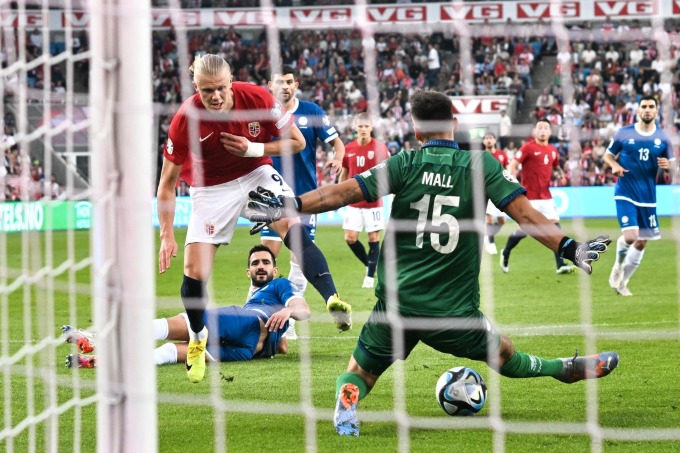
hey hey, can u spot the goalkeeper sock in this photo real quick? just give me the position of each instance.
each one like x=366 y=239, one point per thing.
x=351 y=378
x=522 y=365
x=621 y=250
x=372 y=260
x=313 y=263
x=359 y=251
x=160 y=329
x=514 y=239
x=193 y=292
x=297 y=278
x=164 y=354
x=633 y=259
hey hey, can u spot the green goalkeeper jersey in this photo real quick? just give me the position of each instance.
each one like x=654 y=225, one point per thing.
x=429 y=260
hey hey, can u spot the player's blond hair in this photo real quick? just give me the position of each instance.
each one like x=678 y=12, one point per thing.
x=209 y=65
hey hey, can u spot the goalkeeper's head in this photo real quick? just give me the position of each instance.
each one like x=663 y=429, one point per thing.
x=432 y=114
x=212 y=79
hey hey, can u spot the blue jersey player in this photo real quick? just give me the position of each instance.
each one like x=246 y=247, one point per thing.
x=299 y=169
x=255 y=330
x=635 y=155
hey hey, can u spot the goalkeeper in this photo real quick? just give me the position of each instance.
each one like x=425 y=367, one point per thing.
x=435 y=260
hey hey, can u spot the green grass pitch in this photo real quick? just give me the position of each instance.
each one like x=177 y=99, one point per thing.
x=542 y=313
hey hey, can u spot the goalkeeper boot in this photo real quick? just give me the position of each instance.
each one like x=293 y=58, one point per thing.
x=80 y=361
x=345 y=417
x=195 y=363
x=82 y=338
x=616 y=276
x=592 y=366
x=341 y=312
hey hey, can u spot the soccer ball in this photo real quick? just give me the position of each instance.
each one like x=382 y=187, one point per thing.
x=461 y=391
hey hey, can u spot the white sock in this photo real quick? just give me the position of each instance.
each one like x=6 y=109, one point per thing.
x=621 y=250
x=633 y=259
x=202 y=335
x=166 y=353
x=297 y=278
x=160 y=329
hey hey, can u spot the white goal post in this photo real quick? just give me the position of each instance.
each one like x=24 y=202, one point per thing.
x=123 y=272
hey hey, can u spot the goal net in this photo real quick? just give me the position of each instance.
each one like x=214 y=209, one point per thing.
x=88 y=91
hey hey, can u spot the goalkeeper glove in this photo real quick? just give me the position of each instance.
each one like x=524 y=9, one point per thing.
x=583 y=254
x=264 y=208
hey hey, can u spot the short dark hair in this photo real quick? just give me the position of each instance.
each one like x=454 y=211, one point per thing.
x=649 y=97
x=543 y=120
x=285 y=70
x=261 y=248
x=432 y=108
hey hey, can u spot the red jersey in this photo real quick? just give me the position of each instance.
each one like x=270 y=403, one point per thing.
x=196 y=142
x=359 y=158
x=537 y=168
x=501 y=157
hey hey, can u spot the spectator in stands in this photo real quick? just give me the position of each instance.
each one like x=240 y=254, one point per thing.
x=505 y=125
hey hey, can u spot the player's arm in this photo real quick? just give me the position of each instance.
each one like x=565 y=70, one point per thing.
x=338 y=153
x=297 y=309
x=332 y=197
x=512 y=167
x=610 y=159
x=343 y=175
x=544 y=231
x=166 y=213
x=292 y=141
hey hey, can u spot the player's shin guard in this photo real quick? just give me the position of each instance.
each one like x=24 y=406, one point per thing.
x=359 y=251
x=632 y=262
x=372 y=262
x=622 y=248
x=313 y=263
x=193 y=298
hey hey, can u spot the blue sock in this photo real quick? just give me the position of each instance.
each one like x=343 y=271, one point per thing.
x=193 y=298
x=312 y=262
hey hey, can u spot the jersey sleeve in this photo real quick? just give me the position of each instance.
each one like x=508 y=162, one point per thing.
x=521 y=154
x=382 y=179
x=284 y=291
x=615 y=144
x=176 y=148
x=322 y=125
x=281 y=119
x=501 y=186
x=669 y=153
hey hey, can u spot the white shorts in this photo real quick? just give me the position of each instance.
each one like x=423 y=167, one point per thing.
x=216 y=209
x=547 y=208
x=370 y=219
x=493 y=211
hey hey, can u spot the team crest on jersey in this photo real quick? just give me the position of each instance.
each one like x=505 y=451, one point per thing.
x=276 y=111
x=170 y=147
x=507 y=175
x=370 y=154
x=210 y=228
x=254 y=128
x=302 y=121
x=657 y=142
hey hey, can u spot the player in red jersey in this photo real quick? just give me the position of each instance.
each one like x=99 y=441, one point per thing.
x=360 y=155
x=225 y=130
x=539 y=160
x=495 y=218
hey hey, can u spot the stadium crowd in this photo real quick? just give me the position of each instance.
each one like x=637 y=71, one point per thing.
x=608 y=77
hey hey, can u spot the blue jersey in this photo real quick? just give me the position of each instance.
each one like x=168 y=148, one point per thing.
x=238 y=328
x=314 y=124
x=637 y=152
